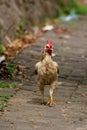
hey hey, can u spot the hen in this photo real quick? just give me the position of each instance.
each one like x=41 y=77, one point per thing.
x=47 y=72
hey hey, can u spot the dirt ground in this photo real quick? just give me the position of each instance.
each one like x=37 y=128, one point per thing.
x=70 y=113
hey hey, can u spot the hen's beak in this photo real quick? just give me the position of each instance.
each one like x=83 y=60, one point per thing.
x=51 y=49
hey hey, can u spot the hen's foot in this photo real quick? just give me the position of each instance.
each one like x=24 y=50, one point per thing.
x=43 y=103
x=51 y=102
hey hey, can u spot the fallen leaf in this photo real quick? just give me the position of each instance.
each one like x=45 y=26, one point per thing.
x=16 y=46
x=5 y=110
x=35 y=126
x=83 y=95
x=8 y=39
x=24 y=94
x=63 y=30
x=40 y=114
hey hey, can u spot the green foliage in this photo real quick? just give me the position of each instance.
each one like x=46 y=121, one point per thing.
x=2 y=106
x=4 y=99
x=8 y=85
x=82 y=9
x=1 y=49
x=70 y=6
x=20 y=27
x=21 y=22
x=10 y=68
x=73 y=4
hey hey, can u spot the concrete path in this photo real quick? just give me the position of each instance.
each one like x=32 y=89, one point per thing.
x=70 y=113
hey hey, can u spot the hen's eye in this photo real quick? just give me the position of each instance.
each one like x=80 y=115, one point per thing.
x=47 y=47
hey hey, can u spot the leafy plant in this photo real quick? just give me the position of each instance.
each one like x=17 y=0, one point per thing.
x=10 y=68
x=8 y=85
x=21 y=22
x=82 y=9
x=2 y=106
x=73 y=4
x=20 y=27
x=4 y=99
x=68 y=6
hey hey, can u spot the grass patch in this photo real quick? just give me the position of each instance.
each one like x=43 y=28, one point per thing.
x=4 y=99
x=8 y=85
x=20 y=27
x=10 y=68
x=82 y=9
x=69 y=7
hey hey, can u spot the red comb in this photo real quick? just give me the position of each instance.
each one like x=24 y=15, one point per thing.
x=49 y=43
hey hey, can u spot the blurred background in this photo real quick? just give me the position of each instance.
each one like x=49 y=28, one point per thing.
x=29 y=13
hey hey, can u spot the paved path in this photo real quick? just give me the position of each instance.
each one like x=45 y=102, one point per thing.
x=70 y=113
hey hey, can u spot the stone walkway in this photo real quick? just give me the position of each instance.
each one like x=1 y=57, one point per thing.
x=70 y=113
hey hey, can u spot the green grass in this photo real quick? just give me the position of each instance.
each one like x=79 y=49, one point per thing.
x=82 y=9
x=21 y=23
x=4 y=99
x=20 y=27
x=2 y=106
x=71 y=6
x=8 y=85
x=10 y=68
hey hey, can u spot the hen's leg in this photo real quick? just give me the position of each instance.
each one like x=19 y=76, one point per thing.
x=42 y=94
x=52 y=87
x=51 y=101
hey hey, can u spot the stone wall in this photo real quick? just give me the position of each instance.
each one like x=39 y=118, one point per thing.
x=33 y=11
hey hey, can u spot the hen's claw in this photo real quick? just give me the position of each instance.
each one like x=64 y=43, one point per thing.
x=43 y=103
x=51 y=102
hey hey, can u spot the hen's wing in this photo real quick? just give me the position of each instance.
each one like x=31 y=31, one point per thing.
x=57 y=66
x=37 y=67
